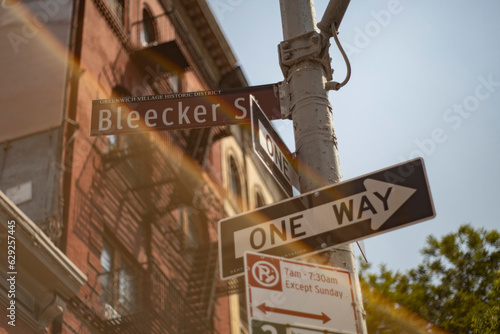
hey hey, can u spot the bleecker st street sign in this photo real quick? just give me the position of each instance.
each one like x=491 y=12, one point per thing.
x=372 y=204
x=181 y=110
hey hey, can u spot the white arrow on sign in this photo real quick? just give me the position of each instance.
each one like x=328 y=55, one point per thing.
x=378 y=203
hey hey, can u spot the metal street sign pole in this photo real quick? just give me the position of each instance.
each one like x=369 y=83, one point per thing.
x=306 y=67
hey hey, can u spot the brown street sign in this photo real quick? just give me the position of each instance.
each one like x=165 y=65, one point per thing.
x=181 y=110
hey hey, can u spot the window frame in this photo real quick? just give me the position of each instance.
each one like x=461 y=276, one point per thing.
x=118 y=142
x=118 y=281
x=235 y=182
x=144 y=35
x=260 y=201
x=118 y=8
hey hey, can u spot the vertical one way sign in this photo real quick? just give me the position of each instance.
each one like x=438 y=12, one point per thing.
x=272 y=150
x=347 y=211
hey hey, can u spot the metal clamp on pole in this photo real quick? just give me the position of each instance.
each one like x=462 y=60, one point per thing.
x=308 y=46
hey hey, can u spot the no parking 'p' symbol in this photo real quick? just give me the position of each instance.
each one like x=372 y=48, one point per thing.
x=264 y=273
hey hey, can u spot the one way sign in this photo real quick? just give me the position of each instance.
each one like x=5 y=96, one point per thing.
x=372 y=204
x=272 y=150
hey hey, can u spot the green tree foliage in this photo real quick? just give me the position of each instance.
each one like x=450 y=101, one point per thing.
x=455 y=289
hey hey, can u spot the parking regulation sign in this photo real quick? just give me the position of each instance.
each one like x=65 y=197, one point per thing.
x=305 y=297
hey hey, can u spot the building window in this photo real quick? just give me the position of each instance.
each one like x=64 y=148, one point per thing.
x=119 y=282
x=175 y=82
x=259 y=199
x=192 y=227
x=148 y=31
x=118 y=143
x=235 y=181
x=118 y=8
x=242 y=300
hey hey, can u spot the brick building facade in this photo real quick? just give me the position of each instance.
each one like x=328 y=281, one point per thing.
x=118 y=233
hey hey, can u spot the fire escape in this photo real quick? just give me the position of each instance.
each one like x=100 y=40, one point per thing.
x=173 y=292
x=151 y=177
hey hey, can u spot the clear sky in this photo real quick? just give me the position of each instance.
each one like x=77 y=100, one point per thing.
x=425 y=82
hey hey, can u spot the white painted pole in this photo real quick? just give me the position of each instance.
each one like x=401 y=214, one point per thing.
x=315 y=141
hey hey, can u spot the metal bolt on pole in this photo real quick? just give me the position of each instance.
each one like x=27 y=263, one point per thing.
x=302 y=59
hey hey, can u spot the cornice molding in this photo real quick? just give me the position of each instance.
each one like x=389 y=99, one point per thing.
x=115 y=26
x=43 y=253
